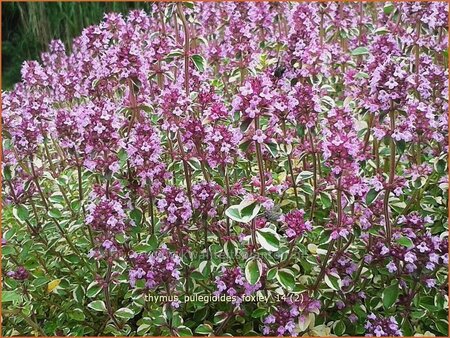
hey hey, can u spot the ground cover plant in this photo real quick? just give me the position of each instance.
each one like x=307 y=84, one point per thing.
x=231 y=169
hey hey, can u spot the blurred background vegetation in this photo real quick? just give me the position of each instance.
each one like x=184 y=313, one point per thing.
x=28 y=27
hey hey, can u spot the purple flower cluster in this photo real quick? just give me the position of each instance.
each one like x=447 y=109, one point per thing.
x=203 y=194
x=156 y=269
x=106 y=215
x=332 y=123
x=254 y=97
x=144 y=153
x=296 y=224
x=176 y=207
x=289 y=313
x=382 y=327
x=414 y=248
x=20 y=274
x=233 y=283
x=342 y=149
x=222 y=145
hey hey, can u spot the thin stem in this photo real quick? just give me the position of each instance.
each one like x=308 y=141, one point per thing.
x=186 y=45
x=417 y=53
x=187 y=172
x=227 y=186
x=108 y=298
x=205 y=228
x=260 y=161
x=32 y=323
x=222 y=326
x=150 y=208
x=38 y=186
x=291 y=171
x=367 y=136
x=313 y=148
x=331 y=245
x=253 y=229
x=289 y=255
x=324 y=265
x=391 y=178
x=186 y=85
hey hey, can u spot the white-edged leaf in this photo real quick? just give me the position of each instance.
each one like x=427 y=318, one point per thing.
x=124 y=313
x=360 y=51
x=244 y=212
x=268 y=239
x=253 y=270
x=93 y=289
x=97 y=305
x=286 y=278
x=333 y=281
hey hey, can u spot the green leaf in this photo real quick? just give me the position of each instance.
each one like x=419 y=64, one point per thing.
x=245 y=124
x=272 y=148
x=362 y=75
x=143 y=247
x=195 y=163
x=405 y=241
x=388 y=9
x=371 y=196
x=204 y=329
x=390 y=295
x=258 y=313
x=97 y=305
x=307 y=189
x=286 y=278
x=184 y=331
x=250 y=211
x=54 y=213
x=243 y=212
x=136 y=216
x=303 y=176
x=39 y=282
x=401 y=146
x=333 y=281
x=77 y=314
x=428 y=303
x=219 y=317
x=7 y=172
x=153 y=242
x=381 y=31
x=325 y=199
x=339 y=328
x=21 y=213
x=175 y=53
x=441 y=166
x=78 y=294
x=124 y=313
x=197 y=275
x=407 y=328
x=234 y=213
x=442 y=327
x=360 y=51
x=56 y=198
x=199 y=62
x=93 y=289
x=271 y=273
x=268 y=239
x=10 y=296
x=143 y=329
x=230 y=248
x=205 y=268
x=253 y=270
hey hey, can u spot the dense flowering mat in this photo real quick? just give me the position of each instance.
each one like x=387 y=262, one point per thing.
x=231 y=169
